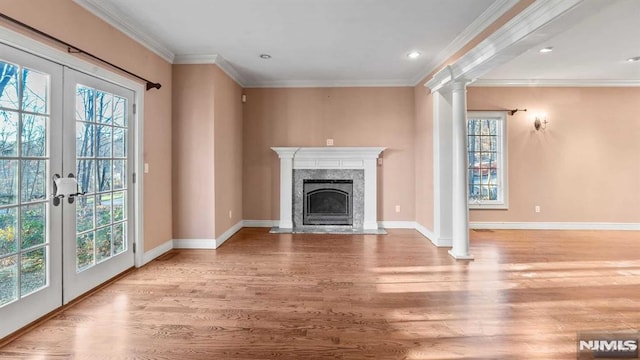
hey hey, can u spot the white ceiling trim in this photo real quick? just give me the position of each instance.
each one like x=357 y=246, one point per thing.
x=329 y=83
x=554 y=83
x=110 y=16
x=195 y=59
x=222 y=63
x=509 y=41
x=488 y=17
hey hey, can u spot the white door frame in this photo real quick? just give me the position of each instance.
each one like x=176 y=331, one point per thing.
x=48 y=52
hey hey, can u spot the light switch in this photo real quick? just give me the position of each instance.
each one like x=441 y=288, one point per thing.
x=146 y=168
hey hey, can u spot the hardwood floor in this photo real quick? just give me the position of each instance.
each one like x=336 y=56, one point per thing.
x=306 y=296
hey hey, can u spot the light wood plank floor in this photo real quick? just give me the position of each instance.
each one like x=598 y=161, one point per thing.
x=305 y=296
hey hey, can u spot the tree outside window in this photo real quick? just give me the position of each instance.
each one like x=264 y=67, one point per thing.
x=486 y=161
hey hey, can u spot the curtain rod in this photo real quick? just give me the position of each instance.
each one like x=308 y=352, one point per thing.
x=76 y=50
x=511 y=112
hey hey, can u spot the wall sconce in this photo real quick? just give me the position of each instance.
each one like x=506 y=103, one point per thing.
x=540 y=122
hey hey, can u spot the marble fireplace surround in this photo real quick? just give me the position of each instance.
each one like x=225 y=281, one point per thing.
x=324 y=160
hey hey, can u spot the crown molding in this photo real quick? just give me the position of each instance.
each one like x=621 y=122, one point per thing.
x=221 y=62
x=554 y=83
x=108 y=14
x=226 y=66
x=193 y=59
x=512 y=39
x=488 y=17
x=330 y=83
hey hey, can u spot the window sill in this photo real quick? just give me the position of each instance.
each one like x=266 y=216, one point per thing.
x=488 y=207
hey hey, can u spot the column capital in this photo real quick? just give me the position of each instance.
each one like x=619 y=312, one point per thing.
x=459 y=85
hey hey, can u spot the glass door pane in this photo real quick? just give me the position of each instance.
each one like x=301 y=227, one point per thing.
x=23 y=164
x=30 y=149
x=101 y=149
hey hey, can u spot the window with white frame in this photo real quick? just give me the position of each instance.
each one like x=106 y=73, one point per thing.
x=487 y=160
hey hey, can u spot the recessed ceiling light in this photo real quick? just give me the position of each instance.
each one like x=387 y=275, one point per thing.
x=634 y=59
x=265 y=56
x=546 y=49
x=413 y=55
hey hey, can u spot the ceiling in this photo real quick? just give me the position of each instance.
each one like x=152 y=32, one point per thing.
x=592 y=52
x=366 y=42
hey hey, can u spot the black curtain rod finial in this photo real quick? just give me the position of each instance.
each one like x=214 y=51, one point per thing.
x=151 y=85
x=511 y=112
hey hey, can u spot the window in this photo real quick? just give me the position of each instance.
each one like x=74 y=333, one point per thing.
x=487 y=160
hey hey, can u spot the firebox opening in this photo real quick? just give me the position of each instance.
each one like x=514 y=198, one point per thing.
x=328 y=202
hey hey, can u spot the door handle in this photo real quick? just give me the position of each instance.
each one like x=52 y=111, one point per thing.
x=73 y=196
x=56 y=198
x=65 y=187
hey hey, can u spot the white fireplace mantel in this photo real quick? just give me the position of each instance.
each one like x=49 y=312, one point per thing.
x=328 y=158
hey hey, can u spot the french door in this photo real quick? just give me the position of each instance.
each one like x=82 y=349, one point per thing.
x=57 y=123
x=98 y=225
x=30 y=152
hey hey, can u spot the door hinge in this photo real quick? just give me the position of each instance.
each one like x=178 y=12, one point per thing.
x=135 y=109
x=134 y=177
x=134 y=248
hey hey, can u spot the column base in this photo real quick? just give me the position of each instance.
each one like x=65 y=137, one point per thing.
x=460 y=256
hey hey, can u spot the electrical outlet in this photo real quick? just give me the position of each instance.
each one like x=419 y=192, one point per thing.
x=329 y=142
x=397 y=208
x=230 y=214
x=146 y=168
x=537 y=208
x=379 y=161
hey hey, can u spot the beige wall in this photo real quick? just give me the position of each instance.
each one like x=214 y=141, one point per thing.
x=193 y=152
x=583 y=168
x=207 y=148
x=71 y=23
x=307 y=117
x=228 y=152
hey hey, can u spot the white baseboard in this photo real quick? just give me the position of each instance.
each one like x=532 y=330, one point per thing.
x=426 y=232
x=157 y=251
x=194 y=243
x=228 y=234
x=439 y=242
x=260 y=223
x=207 y=243
x=554 y=226
x=397 y=224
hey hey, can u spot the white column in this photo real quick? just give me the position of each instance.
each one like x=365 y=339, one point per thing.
x=460 y=212
x=370 y=194
x=442 y=170
x=286 y=186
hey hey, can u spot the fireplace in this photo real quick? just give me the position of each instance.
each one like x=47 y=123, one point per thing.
x=327 y=202
x=331 y=165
